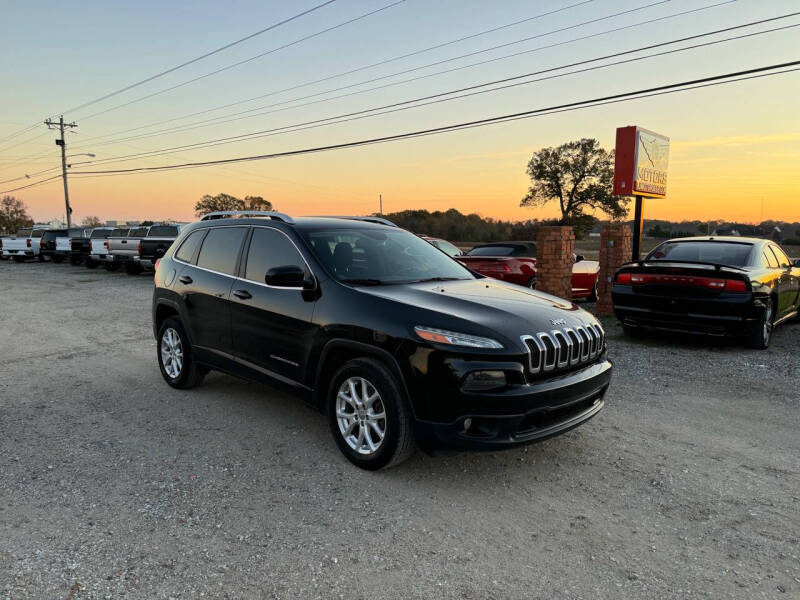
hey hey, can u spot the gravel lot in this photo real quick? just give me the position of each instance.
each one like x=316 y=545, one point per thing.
x=114 y=485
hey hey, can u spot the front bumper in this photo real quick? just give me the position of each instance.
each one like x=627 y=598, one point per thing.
x=523 y=414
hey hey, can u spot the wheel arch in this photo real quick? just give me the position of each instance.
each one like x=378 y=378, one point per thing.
x=337 y=352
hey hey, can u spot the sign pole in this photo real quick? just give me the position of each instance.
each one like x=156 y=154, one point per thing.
x=638 y=220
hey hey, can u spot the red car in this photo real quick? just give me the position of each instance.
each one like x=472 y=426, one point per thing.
x=515 y=262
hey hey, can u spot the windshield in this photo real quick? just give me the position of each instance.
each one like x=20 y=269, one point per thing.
x=138 y=232
x=723 y=253
x=447 y=248
x=380 y=256
x=118 y=233
x=493 y=251
x=24 y=233
x=99 y=233
x=37 y=233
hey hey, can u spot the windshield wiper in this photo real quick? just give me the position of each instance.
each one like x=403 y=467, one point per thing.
x=438 y=279
x=364 y=281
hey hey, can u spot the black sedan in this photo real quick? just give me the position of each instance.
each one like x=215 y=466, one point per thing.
x=710 y=285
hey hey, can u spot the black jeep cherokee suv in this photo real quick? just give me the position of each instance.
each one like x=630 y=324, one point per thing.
x=391 y=338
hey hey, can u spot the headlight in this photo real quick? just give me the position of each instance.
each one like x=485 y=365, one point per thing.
x=451 y=338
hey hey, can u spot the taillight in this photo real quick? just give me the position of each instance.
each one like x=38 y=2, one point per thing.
x=624 y=278
x=106 y=245
x=735 y=285
x=29 y=242
x=139 y=248
x=155 y=266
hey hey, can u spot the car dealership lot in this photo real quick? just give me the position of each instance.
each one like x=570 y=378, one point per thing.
x=113 y=484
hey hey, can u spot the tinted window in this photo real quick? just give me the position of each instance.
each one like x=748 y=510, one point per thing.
x=494 y=251
x=189 y=246
x=221 y=249
x=163 y=231
x=770 y=260
x=76 y=233
x=138 y=232
x=100 y=233
x=447 y=248
x=23 y=233
x=374 y=256
x=783 y=260
x=37 y=233
x=723 y=253
x=270 y=248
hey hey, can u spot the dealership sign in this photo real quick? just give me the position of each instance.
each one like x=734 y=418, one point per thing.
x=640 y=164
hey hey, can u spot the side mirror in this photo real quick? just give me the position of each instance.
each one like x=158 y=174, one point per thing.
x=579 y=258
x=796 y=262
x=289 y=276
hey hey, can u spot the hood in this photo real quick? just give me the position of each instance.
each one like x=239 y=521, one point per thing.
x=485 y=307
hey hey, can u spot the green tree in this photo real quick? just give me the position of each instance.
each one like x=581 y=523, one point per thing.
x=13 y=214
x=91 y=221
x=579 y=175
x=256 y=203
x=222 y=202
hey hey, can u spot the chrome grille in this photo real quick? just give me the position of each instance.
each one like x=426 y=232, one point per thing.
x=560 y=349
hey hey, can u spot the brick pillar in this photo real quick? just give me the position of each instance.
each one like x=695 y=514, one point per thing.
x=616 y=240
x=554 y=248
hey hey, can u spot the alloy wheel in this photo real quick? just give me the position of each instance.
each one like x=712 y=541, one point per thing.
x=172 y=353
x=361 y=415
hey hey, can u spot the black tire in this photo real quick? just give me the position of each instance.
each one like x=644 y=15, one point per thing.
x=761 y=335
x=41 y=257
x=398 y=441
x=58 y=259
x=75 y=260
x=19 y=259
x=110 y=266
x=131 y=268
x=190 y=374
x=91 y=264
x=631 y=330
x=532 y=283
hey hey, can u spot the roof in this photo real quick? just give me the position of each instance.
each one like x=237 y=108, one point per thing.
x=304 y=222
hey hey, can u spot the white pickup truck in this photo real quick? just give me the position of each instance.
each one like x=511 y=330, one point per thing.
x=97 y=246
x=23 y=245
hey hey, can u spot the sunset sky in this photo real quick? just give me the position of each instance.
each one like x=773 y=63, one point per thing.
x=735 y=148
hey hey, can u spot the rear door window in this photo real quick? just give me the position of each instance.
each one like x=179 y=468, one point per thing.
x=221 y=248
x=270 y=248
x=770 y=259
x=189 y=246
x=783 y=260
x=493 y=251
x=99 y=234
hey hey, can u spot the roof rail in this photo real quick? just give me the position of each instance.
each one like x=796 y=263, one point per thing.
x=378 y=220
x=221 y=214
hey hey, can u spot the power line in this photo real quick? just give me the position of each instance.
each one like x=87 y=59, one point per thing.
x=442 y=96
x=383 y=77
x=247 y=60
x=382 y=62
x=175 y=68
x=619 y=97
x=218 y=122
x=202 y=56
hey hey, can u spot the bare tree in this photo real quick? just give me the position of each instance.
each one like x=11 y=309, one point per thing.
x=13 y=214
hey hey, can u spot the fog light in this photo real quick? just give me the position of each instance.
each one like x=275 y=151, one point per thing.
x=479 y=381
x=467 y=424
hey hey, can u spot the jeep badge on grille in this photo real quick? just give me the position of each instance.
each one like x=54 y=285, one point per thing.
x=558 y=321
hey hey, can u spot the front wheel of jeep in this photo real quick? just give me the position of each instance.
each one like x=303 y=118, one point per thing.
x=369 y=418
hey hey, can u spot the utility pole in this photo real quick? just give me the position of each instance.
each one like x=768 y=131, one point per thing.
x=380 y=204
x=60 y=125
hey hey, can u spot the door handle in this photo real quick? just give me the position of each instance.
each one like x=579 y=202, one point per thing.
x=243 y=294
x=185 y=279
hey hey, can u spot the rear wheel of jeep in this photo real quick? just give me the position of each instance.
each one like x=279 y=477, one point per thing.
x=368 y=416
x=175 y=357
